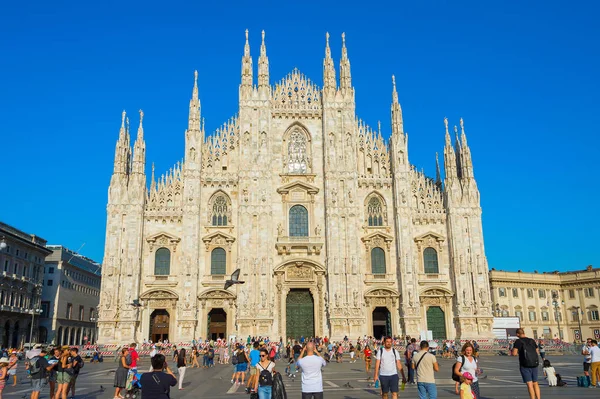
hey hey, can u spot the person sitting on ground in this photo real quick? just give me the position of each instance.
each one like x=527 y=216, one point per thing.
x=550 y=373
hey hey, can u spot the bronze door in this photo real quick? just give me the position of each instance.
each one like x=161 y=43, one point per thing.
x=159 y=325
x=300 y=314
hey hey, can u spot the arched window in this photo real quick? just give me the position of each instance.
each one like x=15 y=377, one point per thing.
x=218 y=261
x=162 y=262
x=375 y=212
x=297 y=153
x=219 y=211
x=298 y=221
x=377 y=261
x=430 y=259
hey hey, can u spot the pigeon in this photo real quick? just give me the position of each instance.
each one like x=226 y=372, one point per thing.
x=101 y=388
x=234 y=279
x=347 y=385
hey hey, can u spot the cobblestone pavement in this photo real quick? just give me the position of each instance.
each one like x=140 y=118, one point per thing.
x=341 y=381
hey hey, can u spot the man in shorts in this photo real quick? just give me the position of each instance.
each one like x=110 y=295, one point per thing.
x=38 y=367
x=529 y=373
x=386 y=369
x=77 y=365
x=254 y=358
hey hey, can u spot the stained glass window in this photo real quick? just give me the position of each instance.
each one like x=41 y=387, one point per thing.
x=431 y=261
x=219 y=211
x=377 y=261
x=298 y=221
x=162 y=262
x=375 y=212
x=218 y=261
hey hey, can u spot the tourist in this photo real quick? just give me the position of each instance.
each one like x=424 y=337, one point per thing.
x=550 y=373
x=368 y=354
x=241 y=366
x=465 y=387
x=340 y=353
x=425 y=365
x=587 y=360
x=386 y=369
x=77 y=364
x=63 y=373
x=157 y=384
x=254 y=359
x=12 y=367
x=121 y=372
x=175 y=353
x=263 y=382
x=467 y=362
x=53 y=362
x=527 y=350
x=135 y=357
x=3 y=373
x=311 y=364
x=351 y=350
x=595 y=363
x=297 y=349
x=411 y=349
x=194 y=358
x=38 y=366
x=181 y=366
x=542 y=350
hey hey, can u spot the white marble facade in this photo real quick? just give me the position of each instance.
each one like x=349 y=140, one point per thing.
x=299 y=193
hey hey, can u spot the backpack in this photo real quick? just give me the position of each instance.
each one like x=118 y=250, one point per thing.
x=530 y=356
x=234 y=359
x=265 y=378
x=80 y=363
x=34 y=365
x=582 y=381
x=456 y=377
x=272 y=354
x=211 y=353
x=381 y=353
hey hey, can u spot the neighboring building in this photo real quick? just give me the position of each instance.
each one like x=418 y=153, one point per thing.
x=537 y=299
x=21 y=263
x=335 y=232
x=70 y=297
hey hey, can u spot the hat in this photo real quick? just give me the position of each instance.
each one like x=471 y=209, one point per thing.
x=4 y=360
x=37 y=346
x=467 y=375
x=13 y=352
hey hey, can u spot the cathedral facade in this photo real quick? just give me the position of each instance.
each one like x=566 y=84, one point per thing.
x=334 y=231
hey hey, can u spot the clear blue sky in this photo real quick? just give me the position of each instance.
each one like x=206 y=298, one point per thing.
x=523 y=75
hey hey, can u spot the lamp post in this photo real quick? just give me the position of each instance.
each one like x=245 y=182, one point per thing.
x=33 y=312
x=137 y=305
x=556 y=303
x=3 y=244
x=94 y=320
x=498 y=310
x=579 y=314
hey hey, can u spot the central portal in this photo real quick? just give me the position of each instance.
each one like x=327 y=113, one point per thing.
x=300 y=314
x=382 y=323
x=159 y=325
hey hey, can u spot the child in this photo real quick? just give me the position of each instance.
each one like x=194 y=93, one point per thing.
x=465 y=387
x=550 y=373
x=290 y=370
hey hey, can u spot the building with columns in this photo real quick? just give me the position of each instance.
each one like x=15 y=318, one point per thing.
x=21 y=267
x=550 y=305
x=334 y=230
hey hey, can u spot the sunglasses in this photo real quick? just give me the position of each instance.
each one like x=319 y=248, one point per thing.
x=263 y=355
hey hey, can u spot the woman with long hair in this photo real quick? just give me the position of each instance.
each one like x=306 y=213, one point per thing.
x=52 y=373
x=265 y=364
x=181 y=366
x=121 y=373
x=3 y=374
x=63 y=373
x=467 y=362
x=195 y=358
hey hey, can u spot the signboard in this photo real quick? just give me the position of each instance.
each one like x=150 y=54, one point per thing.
x=506 y=322
x=577 y=335
x=597 y=334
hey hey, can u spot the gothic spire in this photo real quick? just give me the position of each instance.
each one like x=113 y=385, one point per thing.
x=152 y=181
x=466 y=163
x=329 y=82
x=139 y=149
x=247 y=65
x=450 y=166
x=263 y=65
x=121 y=162
x=345 y=76
x=438 y=174
x=194 y=116
x=397 y=123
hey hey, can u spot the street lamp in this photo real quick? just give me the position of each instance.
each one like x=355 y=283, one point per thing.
x=556 y=303
x=33 y=312
x=579 y=314
x=3 y=244
x=498 y=310
x=94 y=320
x=137 y=305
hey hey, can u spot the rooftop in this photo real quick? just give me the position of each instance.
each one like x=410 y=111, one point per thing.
x=77 y=260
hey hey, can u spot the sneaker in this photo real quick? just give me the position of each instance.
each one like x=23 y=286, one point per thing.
x=232 y=381
x=591 y=386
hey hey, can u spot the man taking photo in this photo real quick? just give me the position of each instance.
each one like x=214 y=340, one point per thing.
x=386 y=369
x=311 y=364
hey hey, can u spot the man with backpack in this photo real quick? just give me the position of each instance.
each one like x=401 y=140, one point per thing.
x=77 y=366
x=411 y=349
x=527 y=350
x=425 y=364
x=37 y=365
x=386 y=369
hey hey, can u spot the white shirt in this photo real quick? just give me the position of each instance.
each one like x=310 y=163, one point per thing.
x=312 y=380
x=387 y=364
x=595 y=353
x=588 y=358
x=469 y=365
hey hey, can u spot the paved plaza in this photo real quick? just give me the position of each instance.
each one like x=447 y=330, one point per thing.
x=503 y=381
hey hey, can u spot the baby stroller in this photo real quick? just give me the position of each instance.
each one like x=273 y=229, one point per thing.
x=134 y=387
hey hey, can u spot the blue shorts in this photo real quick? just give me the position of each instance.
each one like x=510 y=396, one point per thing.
x=529 y=374
x=389 y=383
x=241 y=367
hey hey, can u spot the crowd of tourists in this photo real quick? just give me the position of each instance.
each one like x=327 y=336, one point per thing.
x=260 y=365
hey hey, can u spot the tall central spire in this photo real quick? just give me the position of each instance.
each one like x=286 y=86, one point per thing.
x=329 y=82
x=263 y=65
x=397 y=122
x=345 y=76
x=194 y=117
x=139 y=149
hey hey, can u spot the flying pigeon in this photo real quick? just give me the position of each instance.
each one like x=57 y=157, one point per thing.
x=234 y=279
